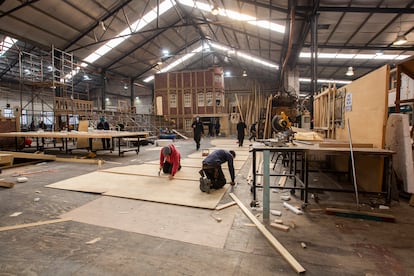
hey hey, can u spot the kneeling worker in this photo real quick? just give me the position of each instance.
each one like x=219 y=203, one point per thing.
x=170 y=160
x=212 y=170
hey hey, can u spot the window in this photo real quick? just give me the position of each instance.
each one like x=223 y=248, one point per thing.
x=48 y=117
x=187 y=100
x=200 y=99
x=219 y=99
x=173 y=100
x=8 y=113
x=209 y=98
x=187 y=124
x=23 y=118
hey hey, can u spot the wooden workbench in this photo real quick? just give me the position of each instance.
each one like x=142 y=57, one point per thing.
x=301 y=152
x=64 y=136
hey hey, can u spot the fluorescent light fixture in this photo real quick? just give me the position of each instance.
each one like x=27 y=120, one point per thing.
x=165 y=52
x=400 y=40
x=354 y=56
x=350 y=71
x=6 y=44
x=244 y=73
x=235 y=16
x=325 y=81
x=227 y=74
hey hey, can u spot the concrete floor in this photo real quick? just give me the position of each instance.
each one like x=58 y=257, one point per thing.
x=334 y=245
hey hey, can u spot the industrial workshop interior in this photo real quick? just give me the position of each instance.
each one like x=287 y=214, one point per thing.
x=206 y=137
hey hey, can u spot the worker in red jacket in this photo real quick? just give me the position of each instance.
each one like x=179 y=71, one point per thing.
x=170 y=160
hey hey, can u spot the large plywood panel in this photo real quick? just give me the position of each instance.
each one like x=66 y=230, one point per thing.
x=186 y=173
x=157 y=189
x=369 y=112
x=158 y=220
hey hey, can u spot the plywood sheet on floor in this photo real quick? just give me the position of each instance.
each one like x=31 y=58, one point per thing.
x=157 y=189
x=94 y=182
x=179 y=223
x=186 y=173
x=196 y=162
x=197 y=155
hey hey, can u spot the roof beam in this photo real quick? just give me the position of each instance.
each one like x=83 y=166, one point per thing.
x=147 y=40
x=93 y=26
x=265 y=6
x=28 y=3
x=174 y=54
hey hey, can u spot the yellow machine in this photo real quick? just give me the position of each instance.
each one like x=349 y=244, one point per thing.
x=281 y=122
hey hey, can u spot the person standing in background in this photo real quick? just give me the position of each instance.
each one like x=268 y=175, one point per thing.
x=241 y=126
x=217 y=127
x=104 y=125
x=198 y=131
x=252 y=132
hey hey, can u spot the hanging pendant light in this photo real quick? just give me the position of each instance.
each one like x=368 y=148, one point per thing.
x=350 y=71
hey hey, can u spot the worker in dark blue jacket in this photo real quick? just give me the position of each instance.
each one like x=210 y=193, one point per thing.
x=212 y=169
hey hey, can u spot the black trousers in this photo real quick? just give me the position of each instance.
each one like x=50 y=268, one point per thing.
x=216 y=175
x=167 y=167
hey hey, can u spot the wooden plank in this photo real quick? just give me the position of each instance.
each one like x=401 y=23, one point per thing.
x=282 y=180
x=411 y=203
x=337 y=144
x=14 y=227
x=77 y=160
x=226 y=205
x=6 y=184
x=180 y=134
x=280 y=226
x=273 y=241
x=360 y=214
x=26 y=155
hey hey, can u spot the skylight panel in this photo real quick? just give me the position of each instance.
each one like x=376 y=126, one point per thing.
x=345 y=56
x=176 y=62
x=401 y=57
x=354 y=56
x=268 y=25
x=236 y=16
x=257 y=60
x=364 y=56
x=325 y=81
x=243 y=55
x=325 y=55
x=136 y=26
x=6 y=44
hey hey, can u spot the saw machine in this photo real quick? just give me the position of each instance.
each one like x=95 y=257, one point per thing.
x=283 y=127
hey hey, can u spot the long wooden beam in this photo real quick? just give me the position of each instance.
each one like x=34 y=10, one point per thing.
x=19 y=226
x=273 y=241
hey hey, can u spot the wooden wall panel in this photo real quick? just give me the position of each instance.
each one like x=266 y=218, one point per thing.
x=368 y=117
